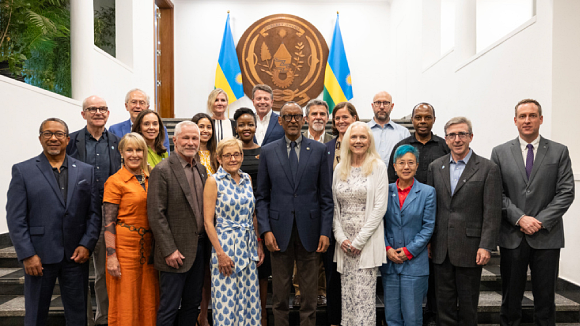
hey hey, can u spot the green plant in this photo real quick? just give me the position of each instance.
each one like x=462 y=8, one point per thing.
x=35 y=42
x=105 y=29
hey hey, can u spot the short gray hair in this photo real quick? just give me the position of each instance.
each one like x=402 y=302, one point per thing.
x=181 y=124
x=315 y=102
x=54 y=120
x=459 y=120
x=128 y=96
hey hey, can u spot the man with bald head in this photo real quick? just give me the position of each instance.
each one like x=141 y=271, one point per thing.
x=385 y=131
x=96 y=146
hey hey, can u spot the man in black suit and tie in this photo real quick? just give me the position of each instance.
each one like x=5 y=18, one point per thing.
x=54 y=218
x=94 y=145
x=467 y=224
x=538 y=188
x=294 y=210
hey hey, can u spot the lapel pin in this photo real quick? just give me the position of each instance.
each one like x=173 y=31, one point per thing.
x=307 y=148
x=113 y=147
x=74 y=165
x=443 y=167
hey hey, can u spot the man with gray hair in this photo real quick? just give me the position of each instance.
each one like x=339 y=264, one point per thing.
x=467 y=224
x=317 y=117
x=136 y=101
x=175 y=213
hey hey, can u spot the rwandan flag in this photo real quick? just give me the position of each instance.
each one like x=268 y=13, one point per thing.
x=228 y=75
x=337 y=82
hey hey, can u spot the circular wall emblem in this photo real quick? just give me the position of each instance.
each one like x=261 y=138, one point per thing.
x=287 y=53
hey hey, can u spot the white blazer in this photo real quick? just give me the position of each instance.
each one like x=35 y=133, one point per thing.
x=371 y=236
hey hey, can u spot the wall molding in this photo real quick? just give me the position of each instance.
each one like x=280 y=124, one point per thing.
x=39 y=90
x=113 y=59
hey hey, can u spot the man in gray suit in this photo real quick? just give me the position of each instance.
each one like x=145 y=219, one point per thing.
x=316 y=117
x=538 y=188
x=175 y=212
x=467 y=224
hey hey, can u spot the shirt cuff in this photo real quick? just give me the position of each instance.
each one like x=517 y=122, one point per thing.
x=407 y=253
x=518 y=221
x=389 y=247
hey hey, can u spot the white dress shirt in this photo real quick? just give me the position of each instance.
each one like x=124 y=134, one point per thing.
x=262 y=127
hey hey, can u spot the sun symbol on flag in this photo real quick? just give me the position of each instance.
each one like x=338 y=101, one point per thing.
x=348 y=80
x=239 y=78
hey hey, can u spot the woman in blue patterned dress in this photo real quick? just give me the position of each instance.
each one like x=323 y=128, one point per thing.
x=236 y=253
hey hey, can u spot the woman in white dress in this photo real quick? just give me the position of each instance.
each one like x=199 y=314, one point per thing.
x=217 y=104
x=359 y=187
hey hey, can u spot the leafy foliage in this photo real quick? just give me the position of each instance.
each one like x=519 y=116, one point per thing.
x=105 y=29
x=35 y=42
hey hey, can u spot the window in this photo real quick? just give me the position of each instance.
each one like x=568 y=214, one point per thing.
x=496 y=18
x=447 y=25
x=105 y=25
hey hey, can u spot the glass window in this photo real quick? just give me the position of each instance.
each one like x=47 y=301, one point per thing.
x=105 y=25
x=497 y=18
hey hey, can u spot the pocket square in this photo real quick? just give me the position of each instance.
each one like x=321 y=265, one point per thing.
x=83 y=181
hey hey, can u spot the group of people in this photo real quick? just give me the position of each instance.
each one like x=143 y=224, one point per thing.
x=241 y=200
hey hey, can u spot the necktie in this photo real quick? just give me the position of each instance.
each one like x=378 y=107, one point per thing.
x=293 y=160
x=529 y=160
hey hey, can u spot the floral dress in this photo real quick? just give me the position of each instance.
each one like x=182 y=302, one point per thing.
x=358 y=285
x=235 y=299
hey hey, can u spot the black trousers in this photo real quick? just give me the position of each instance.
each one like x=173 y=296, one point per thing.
x=73 y=280
x=544 y=264
x=431 y=305
x=333 y=288
x=457 y=293
x=182 y=289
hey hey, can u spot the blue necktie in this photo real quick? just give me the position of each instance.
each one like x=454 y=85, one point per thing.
x=293 y=160
x=529 y=160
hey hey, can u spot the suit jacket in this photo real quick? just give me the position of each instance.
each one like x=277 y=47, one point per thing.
x=39 y=221
x=410 y=227
x=122 y=128
x=77 y=149
x=275 y=130
x=327 y=137
x=280 y=200
x=470 y=218
x=330 y=152
x=170 y=213
x=547 y=195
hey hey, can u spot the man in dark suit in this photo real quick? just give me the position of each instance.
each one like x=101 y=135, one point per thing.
x=175 y=212
x=135 y=101
x=467 y=224
x=54 y=218
x=538 y=188
x=294 y=210
x=267 y=128
x=431 y=147
x=97 y=147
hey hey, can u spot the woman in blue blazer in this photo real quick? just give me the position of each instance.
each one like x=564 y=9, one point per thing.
x=409 y=224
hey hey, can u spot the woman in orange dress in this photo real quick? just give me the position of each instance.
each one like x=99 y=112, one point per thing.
x=132 y=281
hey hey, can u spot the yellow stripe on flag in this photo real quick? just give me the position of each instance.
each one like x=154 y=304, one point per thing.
x=222 y=82
x=332 y=86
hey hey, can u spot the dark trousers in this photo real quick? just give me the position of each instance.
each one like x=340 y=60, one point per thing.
x=544 y=264
x=431 y=305
x=333 y=289
x=181 y=289
x=307 y=264
x=73 y=280
x=457 y=293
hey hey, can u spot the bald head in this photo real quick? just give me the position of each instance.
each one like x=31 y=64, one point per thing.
x=382 y=106
x=96 y=113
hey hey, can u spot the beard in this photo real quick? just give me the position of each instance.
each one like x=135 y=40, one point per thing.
x=318 y=126
x=54 y=152
x=382 y=116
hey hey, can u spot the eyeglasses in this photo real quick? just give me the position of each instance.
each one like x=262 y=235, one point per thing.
x=93 y=110
x=378 y=103
x=60 y=135
x=235 y=155
x=461 y=135
x=288 y=117
x=402 y=164
x=135 y=102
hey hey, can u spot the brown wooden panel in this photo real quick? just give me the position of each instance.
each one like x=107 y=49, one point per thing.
x=166 y=90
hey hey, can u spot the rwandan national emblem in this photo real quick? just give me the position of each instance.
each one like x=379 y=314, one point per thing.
x=287 y=53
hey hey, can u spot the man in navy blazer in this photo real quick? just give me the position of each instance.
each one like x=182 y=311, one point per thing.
x=136 y=101
x=294 y=210
x=267 y=129
x=54 y=219
x=94 y=145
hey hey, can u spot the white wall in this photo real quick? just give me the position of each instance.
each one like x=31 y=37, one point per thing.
x=199 y=27
x=25 y=106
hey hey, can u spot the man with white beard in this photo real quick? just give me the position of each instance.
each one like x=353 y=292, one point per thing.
x=317 y=117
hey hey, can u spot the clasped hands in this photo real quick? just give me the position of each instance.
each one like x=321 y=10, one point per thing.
x=397 y=256
x=349 y=249
x=529 y=225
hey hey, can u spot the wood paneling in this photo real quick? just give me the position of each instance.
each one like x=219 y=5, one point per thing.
x=165 y=94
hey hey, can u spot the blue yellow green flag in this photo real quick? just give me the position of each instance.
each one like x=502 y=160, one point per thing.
x=228 y=75
x=337 y=82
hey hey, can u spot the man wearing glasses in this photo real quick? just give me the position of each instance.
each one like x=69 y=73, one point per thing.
x=386 y=132
x=467 y=224
x=96 y=146
x=294 y=209
x=135 y=101
x=54 y=217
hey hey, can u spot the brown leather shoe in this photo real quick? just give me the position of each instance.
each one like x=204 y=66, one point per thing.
x=296 y=301
x=321 y=300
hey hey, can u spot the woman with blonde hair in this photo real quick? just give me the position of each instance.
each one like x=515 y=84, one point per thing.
x=217 y=104
x=359 y=188
x=132 y=281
